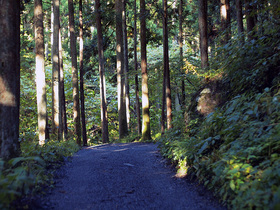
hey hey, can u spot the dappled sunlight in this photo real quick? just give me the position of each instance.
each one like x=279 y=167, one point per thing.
x=182 y=169
x=6 y=97
x=120 y=150
x=224 y=12
x=188 y=67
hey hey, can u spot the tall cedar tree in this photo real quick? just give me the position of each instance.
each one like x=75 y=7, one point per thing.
x=225 y=20
x=239 y=17
x=82 y=95
x=103 y=105
x=40 y=72
x=126 y=68
x=250 y=18
x=63 y=127
x=202 y=22
x=55 y=72
x=183 y=98
x=75 y=81
x=136 y=70
x=9 y=78
x=146 y=129
x=163 y=114
x=166 y=66
x=120 y=71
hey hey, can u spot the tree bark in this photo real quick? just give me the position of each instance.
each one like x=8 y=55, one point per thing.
x=84 y=131
x=163 y=114
x=40 y=72
x=250 y=18
x=75 y=81
x=166 y=66
x=146 y=130
x=103 y=105
x=183 y=98
x=136 y=69
x=63 y=120
x=225 y=20
x=9 y=78
x=126 y=68
x=55 y=71
x=202 y=22
x=120 y=71
x=239 y=16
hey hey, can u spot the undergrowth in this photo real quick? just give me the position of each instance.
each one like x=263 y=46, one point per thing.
x=25 y=175
x=235 y=151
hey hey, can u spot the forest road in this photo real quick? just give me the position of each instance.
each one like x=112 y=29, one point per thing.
x=123 y=176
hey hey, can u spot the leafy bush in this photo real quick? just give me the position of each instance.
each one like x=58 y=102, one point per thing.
x=236 y=150
x=24 y=175
x=251 y=66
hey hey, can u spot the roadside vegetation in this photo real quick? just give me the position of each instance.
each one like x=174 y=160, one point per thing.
x=235 y=150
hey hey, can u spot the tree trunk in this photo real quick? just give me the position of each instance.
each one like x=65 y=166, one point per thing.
x=163 y=114
x=225 y=20
x=55 y=71
x=250 y=18
x=40 y=72
x=202 y=22
x=63 y=120
x=239 y=16
x=136 y=69
x=126 y=69
x=84 y=131
x=146 y=130
x=120 y=71
x=9 y=78
x=166 y=66
x=75 y=81
x=183 y=98
x=103 y=105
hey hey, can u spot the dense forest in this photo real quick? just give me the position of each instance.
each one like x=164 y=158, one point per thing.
x=199 y=77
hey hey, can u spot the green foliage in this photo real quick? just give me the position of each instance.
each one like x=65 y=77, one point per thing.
x=236 y=150
x=252 y=67
x=24 y=175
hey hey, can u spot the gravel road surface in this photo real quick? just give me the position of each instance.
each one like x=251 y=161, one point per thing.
x=124 y=176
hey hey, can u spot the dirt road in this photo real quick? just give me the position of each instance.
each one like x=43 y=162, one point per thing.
x=123 y=176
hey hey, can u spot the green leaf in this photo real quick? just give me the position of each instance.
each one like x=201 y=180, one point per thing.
x=205 y=145
x=14 y=161
x=232 y=185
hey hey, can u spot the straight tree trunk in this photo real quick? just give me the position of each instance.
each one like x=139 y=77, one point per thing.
x=166 y=66
x=55 y=71
x=9 y=78
x=202 y=22
x=225 y=20
x=181 y=54
x=40 y=72
x=103 y=105
x=163 y=113
x=239 y=16
x=84 y=131
x=146 y=130
x=136 y=69
x=250 y=18
x=126 y=69
x=63 y=120
x=123 y=131
x=75 y=80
